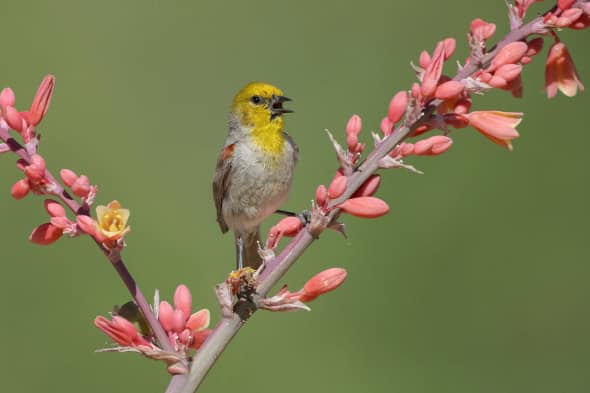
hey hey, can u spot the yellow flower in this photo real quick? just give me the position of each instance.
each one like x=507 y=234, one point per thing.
x=112 y=220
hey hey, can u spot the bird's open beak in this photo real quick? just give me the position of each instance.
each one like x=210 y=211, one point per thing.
x=276 y=106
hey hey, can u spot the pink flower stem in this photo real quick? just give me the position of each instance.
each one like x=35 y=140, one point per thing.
x=117 y=262
x=276 y=268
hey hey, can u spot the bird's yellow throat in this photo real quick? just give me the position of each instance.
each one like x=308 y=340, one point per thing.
x=270 y=137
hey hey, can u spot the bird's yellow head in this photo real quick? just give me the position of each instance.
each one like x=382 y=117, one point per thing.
x=259 y=106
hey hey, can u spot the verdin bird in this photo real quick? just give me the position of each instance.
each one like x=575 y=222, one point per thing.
x=255 y=168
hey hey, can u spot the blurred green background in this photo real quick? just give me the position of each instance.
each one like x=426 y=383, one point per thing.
x=477 y=281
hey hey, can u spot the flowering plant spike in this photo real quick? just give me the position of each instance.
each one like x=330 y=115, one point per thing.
x=434 y=108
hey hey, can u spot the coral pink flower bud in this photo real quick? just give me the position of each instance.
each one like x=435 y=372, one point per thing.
x=289 y=226
x=482 y=30
x=485 y=77
x=166 y=315
x=560 y=72
x=463 y=106
x=534 y=46
x=7 y=97
x=508 y=71
x=421 y=129
x=433 y=71
x=45 y=234
x=424 y=59
x=523 y=6
x=456 y=120
x=450 y=45
x=497 y=126
x=509 y=54
x=42 y=100
x=365 y=207
x=583 y=21
x=20 y=189
x=497 y=82
x=449 y=90
x=337 y=187
x=568 y=17
x=397 y=106
x=199 y=320
x=54 y=208
x=81 y=186
x=87 y=224
x=183 y=300
x=60 y=222
x=565 y=4
x=38 y=161
x=68 y=177
x=178 y=321
x=386 y=126
x=352 y=141
x=354 y=125
x=117 y=331
x=124 y=326
x=323 y=282
x=200 y=337
x=321 y=195
x=369 y=187
x=432 y=146
x=13 y=119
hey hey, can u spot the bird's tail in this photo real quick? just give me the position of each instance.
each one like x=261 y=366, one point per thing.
x=250 y=244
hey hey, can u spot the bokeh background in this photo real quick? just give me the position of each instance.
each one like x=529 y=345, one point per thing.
x=477 y=281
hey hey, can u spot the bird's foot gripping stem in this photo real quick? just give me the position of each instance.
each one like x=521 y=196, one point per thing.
x=304 y=216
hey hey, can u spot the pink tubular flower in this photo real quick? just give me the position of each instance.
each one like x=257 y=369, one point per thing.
x=41 y=101
x=288 y=226
x=45 y=234
x=497 y=126
x=323 y=282
x=397 y=107
x=20 y=189
x=7 y=97
x=386 y=126
x=523 y=6
x=337 y=187
x=448 y=90
x=433 y=146
x=369 y=187
x=321 y=195
x=482 y=30
x=184 y=330
x=68 y=177
x=353 y=129
x=560 y=72
x=510 y=54
x=59 y=224
x=433 y=71
x=14 y=119
x=121 y=331
x=364 y=207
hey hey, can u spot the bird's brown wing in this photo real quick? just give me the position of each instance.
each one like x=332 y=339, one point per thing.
x=221 y=183
x=294 y=145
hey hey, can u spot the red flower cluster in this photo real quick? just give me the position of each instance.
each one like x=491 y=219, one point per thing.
x=186 y=331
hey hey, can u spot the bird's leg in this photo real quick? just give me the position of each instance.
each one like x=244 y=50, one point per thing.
x=304 y=216
x=240 y=244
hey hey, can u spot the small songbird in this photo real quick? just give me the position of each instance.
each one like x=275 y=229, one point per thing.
x=255 y=168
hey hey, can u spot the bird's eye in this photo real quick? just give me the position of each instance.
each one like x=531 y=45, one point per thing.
x=257 y=100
